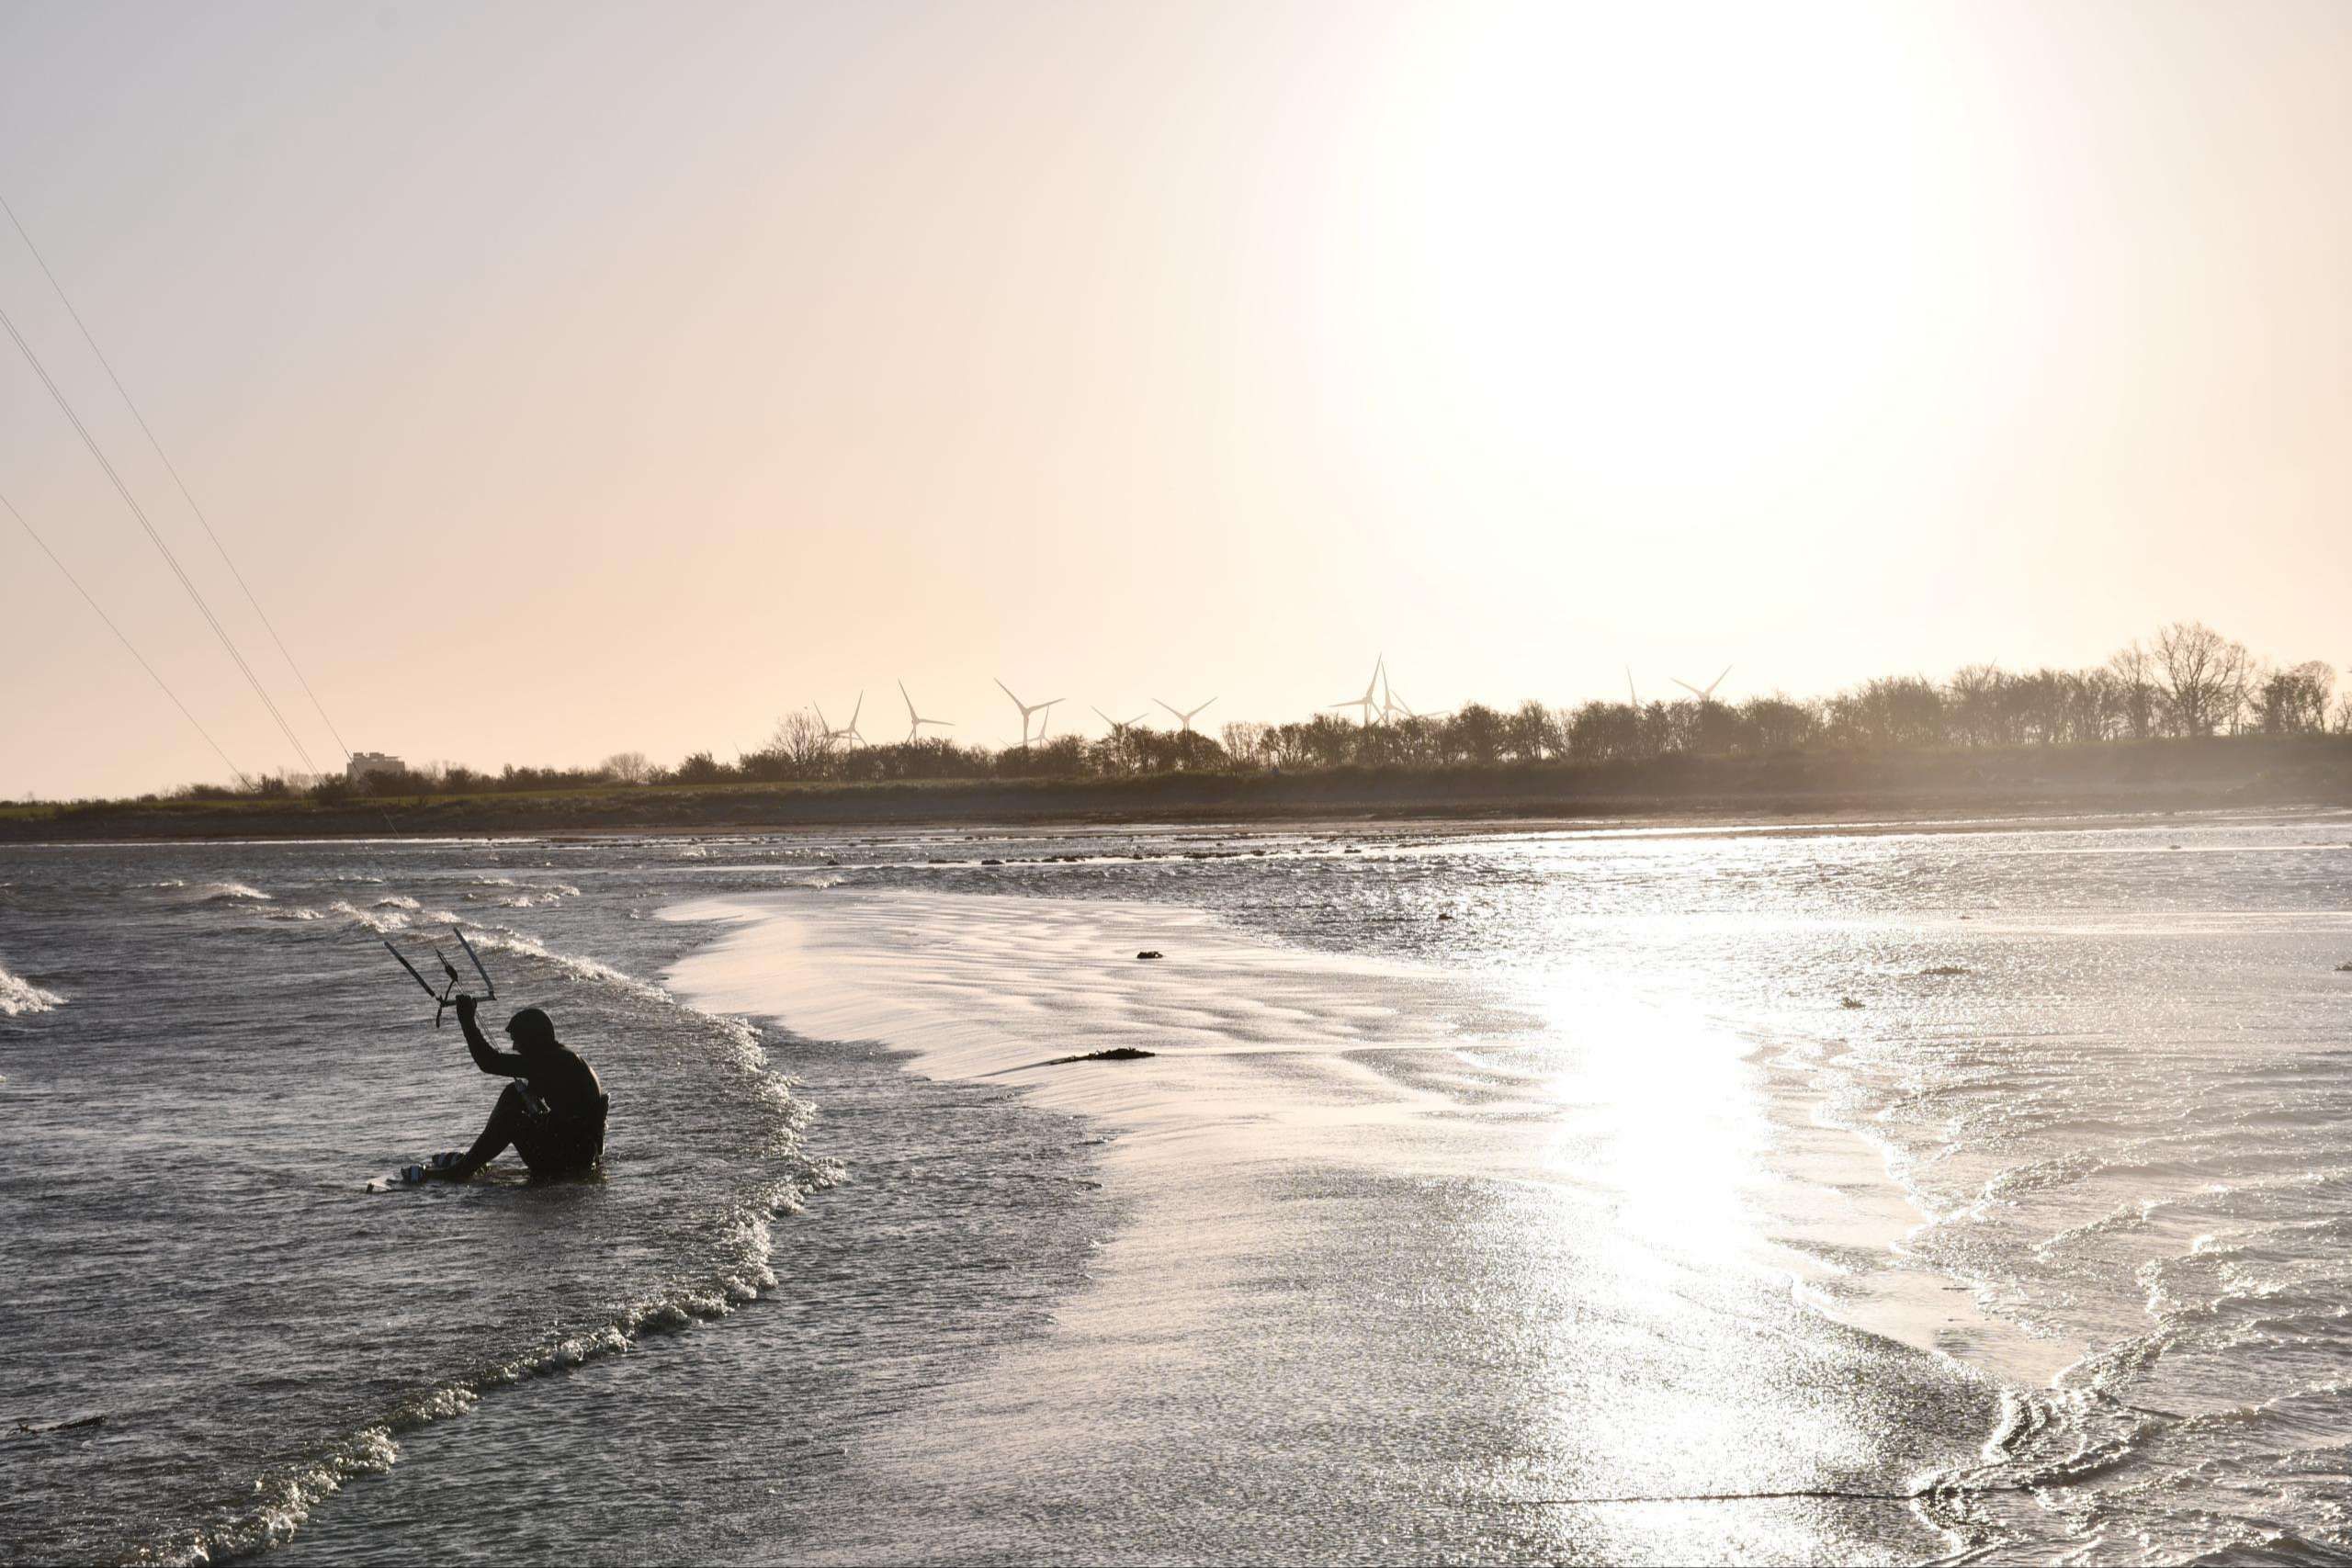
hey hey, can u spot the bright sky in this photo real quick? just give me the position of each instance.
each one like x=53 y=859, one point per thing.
x=567 y=378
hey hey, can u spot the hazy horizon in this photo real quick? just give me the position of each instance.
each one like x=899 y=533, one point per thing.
x=572 y=379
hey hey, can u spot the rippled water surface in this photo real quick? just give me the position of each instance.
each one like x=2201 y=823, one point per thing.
x=2007 y=1166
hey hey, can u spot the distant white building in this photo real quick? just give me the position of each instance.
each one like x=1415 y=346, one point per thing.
x=366 y=765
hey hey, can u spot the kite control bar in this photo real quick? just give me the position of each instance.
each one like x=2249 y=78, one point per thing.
x=442 y=997
x=489 y=986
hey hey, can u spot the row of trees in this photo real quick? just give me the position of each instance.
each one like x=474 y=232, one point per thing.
x=2188 y=680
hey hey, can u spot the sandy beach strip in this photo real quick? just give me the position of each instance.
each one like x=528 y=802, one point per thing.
x=1418 y=1262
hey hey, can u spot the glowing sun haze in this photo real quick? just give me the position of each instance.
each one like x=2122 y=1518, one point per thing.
x=569 y=378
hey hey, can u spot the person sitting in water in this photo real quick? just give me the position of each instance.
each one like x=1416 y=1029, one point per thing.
x=553 y=1115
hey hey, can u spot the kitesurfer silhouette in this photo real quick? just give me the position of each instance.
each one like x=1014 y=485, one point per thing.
x=553 y=1115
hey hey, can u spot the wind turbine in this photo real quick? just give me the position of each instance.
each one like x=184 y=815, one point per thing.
x=1119 y=726
x=1709 y=695
x=1028 y=708
x=1180 y=713
x=915 y=721
x=847 y=732
x=1391 y=704
x=1379 y=672
x=1631 y=701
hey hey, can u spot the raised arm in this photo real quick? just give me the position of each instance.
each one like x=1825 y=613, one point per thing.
x=505 y=1064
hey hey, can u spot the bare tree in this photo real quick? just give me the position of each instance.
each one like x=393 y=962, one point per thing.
x=2294 y=702
x=628 y=767
x=1245 y=739
x=2203 y=676
x=1977 y=705
x=799 y=739
x=1531 y=733
x=2135 y=685
x=1894 y=710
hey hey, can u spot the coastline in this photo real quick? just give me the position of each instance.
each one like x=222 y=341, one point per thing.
x=2240 y=773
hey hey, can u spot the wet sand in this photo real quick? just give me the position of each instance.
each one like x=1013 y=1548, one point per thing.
x=1414 y=1264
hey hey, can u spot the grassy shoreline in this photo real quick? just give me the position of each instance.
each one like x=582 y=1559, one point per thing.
x=2112 y=777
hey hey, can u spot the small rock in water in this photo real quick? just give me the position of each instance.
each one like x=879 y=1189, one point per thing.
x=1946 y=968
x=1115 y=1053
x=1150 y=953
x=2344 y=968
x=1848 y=1002
x=991 y=862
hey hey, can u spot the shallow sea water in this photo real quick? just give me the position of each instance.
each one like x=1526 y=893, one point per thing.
x=1490 y=1198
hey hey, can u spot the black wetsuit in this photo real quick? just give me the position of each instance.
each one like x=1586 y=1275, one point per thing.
x=566 y=1137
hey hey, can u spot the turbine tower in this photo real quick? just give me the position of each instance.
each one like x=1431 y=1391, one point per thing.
x=1180 y=713
x=1379 y=673
x=1631 y=701
x=1027 y=709
x=1709 y=695
x=848 y=731
x=915 y=721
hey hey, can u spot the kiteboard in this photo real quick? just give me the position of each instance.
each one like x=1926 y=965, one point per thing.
x=410 y=1176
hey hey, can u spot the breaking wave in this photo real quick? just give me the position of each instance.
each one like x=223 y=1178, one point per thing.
x=19 y=997
x=731 y=1266
x=284 y=1498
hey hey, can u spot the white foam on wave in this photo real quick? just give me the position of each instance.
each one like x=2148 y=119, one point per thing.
x=742 y=1034
x=19 y=997
x=398 y=901
x=293 y=912
x=284 y=1501
x=285 y=1498
x=382 y=925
